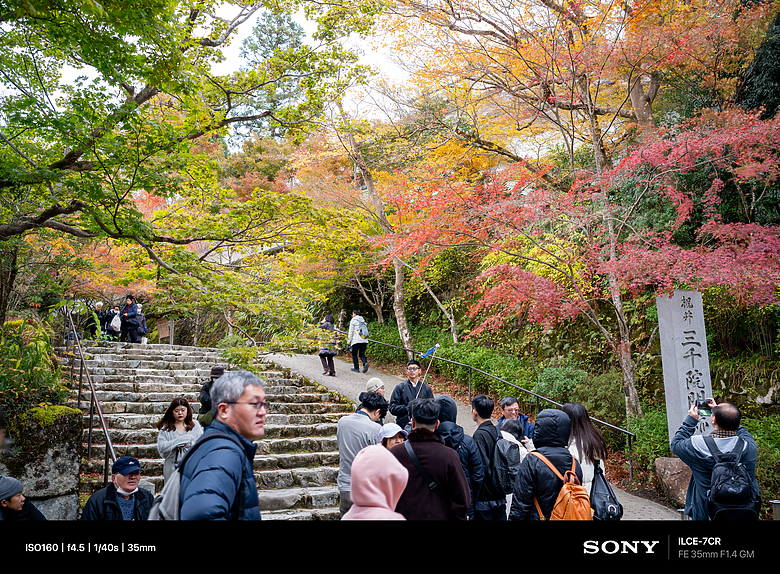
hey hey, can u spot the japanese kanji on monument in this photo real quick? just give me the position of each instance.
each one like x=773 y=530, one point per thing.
x=686 y=364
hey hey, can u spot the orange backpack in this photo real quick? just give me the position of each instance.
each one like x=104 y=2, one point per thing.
x=573 y=502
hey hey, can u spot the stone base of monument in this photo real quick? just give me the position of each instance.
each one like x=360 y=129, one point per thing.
x=673 y=475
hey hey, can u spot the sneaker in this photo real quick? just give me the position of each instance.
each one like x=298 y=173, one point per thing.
x=355 y=370
x=365 y=368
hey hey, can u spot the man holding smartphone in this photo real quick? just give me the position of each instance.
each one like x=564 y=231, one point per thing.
x=727 y=436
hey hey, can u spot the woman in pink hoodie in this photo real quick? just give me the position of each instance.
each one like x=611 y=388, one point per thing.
x=378 y=480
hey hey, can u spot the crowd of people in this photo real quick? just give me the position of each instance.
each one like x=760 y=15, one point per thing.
x=424 y=466
x=439 y=472
x=123 y=322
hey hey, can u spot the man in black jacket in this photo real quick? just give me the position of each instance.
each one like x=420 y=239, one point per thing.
x=535 y=479
x=123 y=499
x=465 y=445
x=490 y=503
x=404 y=393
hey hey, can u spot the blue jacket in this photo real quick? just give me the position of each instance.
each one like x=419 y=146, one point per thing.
x=694 y=452
x=130 y=321
x=213 y=475
x=528 y=426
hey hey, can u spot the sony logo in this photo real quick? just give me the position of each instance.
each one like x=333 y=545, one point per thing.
x=619 y=546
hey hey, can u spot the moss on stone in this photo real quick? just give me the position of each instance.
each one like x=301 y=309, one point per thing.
x=46 y=415
x=36 y=430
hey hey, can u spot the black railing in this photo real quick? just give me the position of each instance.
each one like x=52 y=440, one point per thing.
x=94 y=405
x=537 y=397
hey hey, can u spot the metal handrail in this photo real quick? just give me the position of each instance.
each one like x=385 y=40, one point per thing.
x=629 y=435
x=94 y=404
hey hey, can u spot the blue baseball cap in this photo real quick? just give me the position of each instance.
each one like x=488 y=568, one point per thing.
x=125 y=465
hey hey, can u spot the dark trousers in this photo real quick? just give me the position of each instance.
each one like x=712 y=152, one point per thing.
x=492 y=510
x=327 y=364
x=359 y=349
x=130 y=335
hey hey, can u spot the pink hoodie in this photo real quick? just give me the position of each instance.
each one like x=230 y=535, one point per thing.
x=378 y=480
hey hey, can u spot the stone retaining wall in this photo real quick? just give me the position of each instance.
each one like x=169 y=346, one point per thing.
x=46 y=456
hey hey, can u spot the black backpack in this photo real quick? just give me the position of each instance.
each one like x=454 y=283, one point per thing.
x=603 y=501
x=732 y=494
x=504 y=465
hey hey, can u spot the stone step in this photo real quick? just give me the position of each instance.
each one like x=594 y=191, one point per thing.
x=296 y=477
x=179 y=349
x=149 y=420
x=304 y=514
x=157 y=403
x=148 y=434
x=318 y=497
x=147 y=446
x=296 y=464
x=197 y=368
x=152 y=465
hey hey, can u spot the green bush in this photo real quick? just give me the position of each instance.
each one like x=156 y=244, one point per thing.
x=560 y=384
x=229 y=341
x=29 y=375
x=603 y=397
x=766 y=431
x=243 y=359
x=652 y=437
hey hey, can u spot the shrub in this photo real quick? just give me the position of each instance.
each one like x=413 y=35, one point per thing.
x=652 y=437
x=766 y=431
x=229 y=341
x=560 y=384
x=29 y=375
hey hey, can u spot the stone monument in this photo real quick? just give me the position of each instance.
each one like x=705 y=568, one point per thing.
x=684 y=356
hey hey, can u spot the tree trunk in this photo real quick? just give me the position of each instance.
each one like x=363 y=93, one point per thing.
x=596 y=136
x=197 y=329
x=400 y=308
x=8 y=270
x=398 y=286
x=642 y=101
x=623 y=343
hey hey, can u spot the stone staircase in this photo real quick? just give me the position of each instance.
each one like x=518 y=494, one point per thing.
x=296 y=461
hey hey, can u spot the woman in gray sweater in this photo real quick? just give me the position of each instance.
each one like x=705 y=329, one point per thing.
x=178 y=432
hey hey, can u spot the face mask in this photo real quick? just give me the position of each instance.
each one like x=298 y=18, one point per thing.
x=124 y=492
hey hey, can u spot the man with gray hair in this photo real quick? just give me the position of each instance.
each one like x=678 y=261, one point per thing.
x=217 y=479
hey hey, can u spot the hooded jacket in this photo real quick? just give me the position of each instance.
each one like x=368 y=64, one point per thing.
x=354 y=336
x=378 y=481
x=535 y=479
x=455 y=438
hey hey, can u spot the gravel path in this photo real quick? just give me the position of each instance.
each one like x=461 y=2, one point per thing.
x=351 y=384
